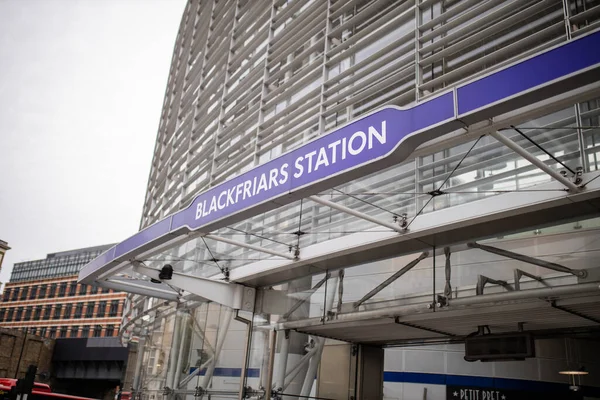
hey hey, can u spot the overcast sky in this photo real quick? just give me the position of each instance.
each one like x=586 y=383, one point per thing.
x=81 y=90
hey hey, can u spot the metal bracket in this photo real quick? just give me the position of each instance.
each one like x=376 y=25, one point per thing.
x=483 y=280
x=519 y=273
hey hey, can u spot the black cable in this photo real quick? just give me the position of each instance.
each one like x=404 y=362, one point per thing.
x=259 y=236
x=367 y=202
x=459 y=163
x=457 y=192
x=591 y=180
x=541 y=148
x=213 y=257
x=438 y=191
x=299 y=233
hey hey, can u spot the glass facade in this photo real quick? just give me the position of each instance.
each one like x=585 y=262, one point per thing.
x=55 y=265
x=252 y=80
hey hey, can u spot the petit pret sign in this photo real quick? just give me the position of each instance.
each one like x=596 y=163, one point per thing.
x=466 y=393
x=478 y=393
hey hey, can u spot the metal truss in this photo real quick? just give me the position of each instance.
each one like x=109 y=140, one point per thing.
x=488 y=217
x=231 y=295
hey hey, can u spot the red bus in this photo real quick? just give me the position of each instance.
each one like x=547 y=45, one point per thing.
x=41 y=391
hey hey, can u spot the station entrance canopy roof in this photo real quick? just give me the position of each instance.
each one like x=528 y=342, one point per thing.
x=551 y=79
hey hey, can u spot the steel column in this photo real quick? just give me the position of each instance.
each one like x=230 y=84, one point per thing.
x=272 y=348
x=218 y=346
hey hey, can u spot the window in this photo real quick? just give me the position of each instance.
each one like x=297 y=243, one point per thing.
x=53 y=332
x=37 y=313
x=85 y=332
x=57 y=311
x=114 y=308
x=33 y=292
x=19 y=314
x=43 y=331
x=62 y=289
x=28 y=313
x=89 y=312
x=2 y=312
x=94 y=290
x=78 y=310
x=15 y=294
x=68 y=310
x=63 y=332
x=11 y=312
x=74 y=331
x=52 y=290
x=105 y=290
x=73 y=289
x=110 y=329
x=97 y=331
x=101 y=309
x=24 y=293
x=43 y=291
x=6 y=294
x=47 y=312
x=32 y=330
x=82 y=289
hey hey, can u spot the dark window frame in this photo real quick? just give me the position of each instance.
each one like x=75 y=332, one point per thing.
x=78 y=310
x=57 y=311
x=97 y=331
x=114 y=308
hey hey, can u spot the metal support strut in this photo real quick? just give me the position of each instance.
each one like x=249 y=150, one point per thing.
x=581 y=273
x=534 y=160
x=391 y=279
x=357 y=214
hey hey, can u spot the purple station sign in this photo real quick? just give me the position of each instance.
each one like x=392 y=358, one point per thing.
x=372 y=142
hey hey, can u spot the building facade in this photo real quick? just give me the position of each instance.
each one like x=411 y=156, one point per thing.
x=456 y=237
x=3 y=249
x=44 y=298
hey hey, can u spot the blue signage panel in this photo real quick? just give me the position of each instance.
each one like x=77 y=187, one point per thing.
x=373 y=142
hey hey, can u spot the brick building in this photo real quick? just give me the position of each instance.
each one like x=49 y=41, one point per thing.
x=44 y=298
x=19 y=350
